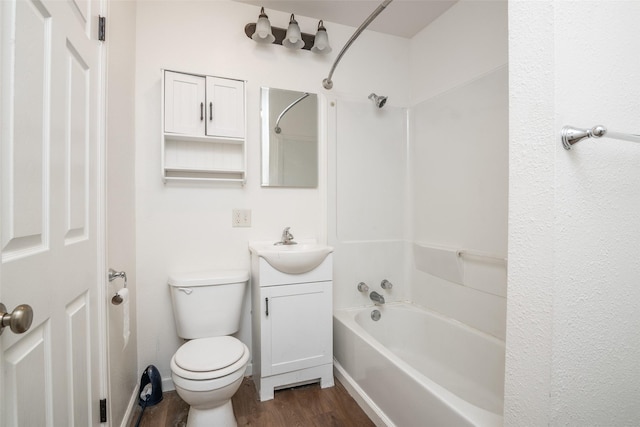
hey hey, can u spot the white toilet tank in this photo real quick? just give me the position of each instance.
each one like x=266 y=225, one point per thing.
x=207 y=303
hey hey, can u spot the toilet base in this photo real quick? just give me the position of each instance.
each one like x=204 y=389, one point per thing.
x=220 y=416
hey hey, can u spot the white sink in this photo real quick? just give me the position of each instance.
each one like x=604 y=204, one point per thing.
x=292 y=259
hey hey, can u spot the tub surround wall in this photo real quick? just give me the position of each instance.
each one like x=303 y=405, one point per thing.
x=368 y=196
x=443 y=188
x=188 y=227
x=573 y=318
x=458 y=162
x=406 y=208
x=444 y=57
x=460 y=200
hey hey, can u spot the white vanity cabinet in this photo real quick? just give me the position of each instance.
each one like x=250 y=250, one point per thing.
x=292 y=326
x=203 y=127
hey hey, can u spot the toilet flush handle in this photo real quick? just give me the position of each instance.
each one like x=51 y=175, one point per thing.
x=187 y=291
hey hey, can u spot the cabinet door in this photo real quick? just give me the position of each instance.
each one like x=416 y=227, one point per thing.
x=225 y=108
x=296 y=327
x=184 y=104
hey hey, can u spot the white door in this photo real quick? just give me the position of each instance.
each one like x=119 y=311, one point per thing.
x=50 y=140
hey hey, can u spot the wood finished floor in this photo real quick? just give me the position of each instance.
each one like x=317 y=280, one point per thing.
x=305 y=406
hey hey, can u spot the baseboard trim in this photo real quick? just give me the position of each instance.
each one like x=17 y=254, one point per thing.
x=369 y=407
x=132 y=401
x=167 y=384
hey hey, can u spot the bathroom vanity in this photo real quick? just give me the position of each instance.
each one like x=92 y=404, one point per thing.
x=291 y=319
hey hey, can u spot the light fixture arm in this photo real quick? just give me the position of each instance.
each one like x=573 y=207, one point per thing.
x=277 y=128
x=328 y=83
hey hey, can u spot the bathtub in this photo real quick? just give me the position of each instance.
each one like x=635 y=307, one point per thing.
x=415 y=368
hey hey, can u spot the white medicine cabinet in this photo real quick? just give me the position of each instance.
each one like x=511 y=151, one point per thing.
x=203 y=128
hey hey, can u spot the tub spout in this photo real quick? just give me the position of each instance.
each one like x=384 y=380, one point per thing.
x=376 y=297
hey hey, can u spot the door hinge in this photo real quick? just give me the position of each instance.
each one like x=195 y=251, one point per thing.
x=103 y=410
x=101 y=28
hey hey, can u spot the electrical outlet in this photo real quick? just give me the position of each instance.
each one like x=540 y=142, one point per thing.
x=241 y=218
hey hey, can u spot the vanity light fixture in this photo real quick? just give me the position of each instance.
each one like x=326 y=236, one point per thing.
x=262 y=32
x=321 y=43
x=293 y=39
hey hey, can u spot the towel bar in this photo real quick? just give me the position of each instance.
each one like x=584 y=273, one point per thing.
x=572 y=135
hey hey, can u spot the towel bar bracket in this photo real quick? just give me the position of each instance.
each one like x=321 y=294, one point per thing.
x=571 y=135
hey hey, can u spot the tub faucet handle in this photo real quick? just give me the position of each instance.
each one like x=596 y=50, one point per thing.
x=386 y=284
x=362 y=287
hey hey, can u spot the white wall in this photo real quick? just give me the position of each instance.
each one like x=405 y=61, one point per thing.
x=466 y=42
x=459 y=161
x=185 y=227
x=121 y=226
x=573 y=318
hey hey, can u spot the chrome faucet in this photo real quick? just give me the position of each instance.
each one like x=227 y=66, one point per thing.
x=287 y=238
x=376 y=297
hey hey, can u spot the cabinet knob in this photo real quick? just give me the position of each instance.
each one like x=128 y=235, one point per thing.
x=210 y=111
x=202 y=111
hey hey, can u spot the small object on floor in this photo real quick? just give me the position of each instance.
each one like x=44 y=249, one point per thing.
x=150 y=389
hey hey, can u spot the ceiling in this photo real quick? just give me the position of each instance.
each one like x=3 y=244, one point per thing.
x=404 y=18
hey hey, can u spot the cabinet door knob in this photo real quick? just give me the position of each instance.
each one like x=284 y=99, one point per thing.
x=266 y=302
x=210 y=111
x=202 y=111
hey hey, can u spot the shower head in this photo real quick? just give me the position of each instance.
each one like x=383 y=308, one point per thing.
x=379 y=100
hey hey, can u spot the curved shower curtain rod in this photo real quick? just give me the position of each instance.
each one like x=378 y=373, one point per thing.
x=327 y=83
x=277 y=128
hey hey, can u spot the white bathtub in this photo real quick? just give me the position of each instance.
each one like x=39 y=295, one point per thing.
x=416 y=368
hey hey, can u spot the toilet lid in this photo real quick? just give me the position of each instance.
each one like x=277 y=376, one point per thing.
x=209 y=354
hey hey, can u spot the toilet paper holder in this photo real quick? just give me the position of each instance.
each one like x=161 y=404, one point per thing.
x=113 y=275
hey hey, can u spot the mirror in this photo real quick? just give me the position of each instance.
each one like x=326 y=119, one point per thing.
x=289 y=138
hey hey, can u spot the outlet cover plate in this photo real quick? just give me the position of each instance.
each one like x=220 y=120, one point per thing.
x=241 y=218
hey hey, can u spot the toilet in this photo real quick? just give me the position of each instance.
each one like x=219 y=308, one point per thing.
x=208 y=369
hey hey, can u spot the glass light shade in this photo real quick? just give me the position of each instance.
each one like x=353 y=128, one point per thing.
x=263 y=29
x=293 y=39
x=321 y=42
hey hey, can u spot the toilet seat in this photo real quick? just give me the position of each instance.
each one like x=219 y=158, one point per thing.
x=209 y=358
